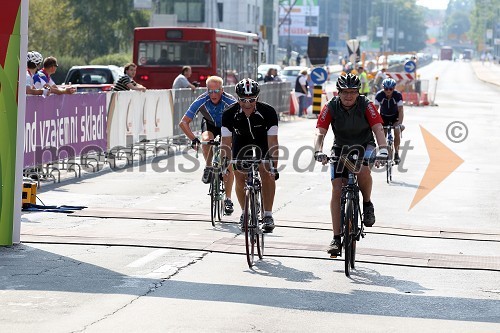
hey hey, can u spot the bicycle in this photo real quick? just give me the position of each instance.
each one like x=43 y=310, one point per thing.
x=350 y=213
x=390 y=149
x=216 y=190
x=253 y=211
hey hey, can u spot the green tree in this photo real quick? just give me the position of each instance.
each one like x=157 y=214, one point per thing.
x=457 y=22
x=406 y=18
x=52 y=27
x=106 y=26
x=484 y=16
x=84 y=29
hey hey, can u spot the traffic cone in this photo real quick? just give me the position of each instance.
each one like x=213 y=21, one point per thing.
x=294 y=104
x=411 y=98
x=425 y=98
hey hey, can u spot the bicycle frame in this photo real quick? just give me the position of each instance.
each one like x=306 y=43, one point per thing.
x=390 y=148
x=216 y=190
x=253 y=210
x=350 y=216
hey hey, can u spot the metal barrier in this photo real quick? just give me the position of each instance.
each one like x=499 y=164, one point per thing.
x=78 y=131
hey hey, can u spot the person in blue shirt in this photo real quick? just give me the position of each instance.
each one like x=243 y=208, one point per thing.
x=390 y=102
x=210 y=105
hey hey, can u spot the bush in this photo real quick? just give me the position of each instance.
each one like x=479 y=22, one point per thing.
x=117 y=59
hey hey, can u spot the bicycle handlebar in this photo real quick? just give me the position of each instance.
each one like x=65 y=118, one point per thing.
x=211 y=142
x=392 y=127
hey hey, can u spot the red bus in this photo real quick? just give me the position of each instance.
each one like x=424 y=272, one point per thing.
x=160 y=53
x=446 y=53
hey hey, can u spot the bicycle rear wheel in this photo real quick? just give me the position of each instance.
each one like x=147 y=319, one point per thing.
x=250 y=227
x=348 y=239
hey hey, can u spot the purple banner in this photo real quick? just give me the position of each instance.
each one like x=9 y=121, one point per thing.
x=63 y=126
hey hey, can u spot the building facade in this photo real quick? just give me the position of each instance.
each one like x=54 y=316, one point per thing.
x=255 y=16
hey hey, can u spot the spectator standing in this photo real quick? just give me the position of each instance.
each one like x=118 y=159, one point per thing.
x=379 y=77
x=301 y=89
x=363 y=78
x=276 y=76
x=181 y=81
x=126 y=81
x=34 y=62
x=43 y=80
x=269 y=76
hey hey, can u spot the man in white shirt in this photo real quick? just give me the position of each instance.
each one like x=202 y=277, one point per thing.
x=181 y=81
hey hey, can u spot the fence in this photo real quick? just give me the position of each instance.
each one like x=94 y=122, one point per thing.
x=63 y=128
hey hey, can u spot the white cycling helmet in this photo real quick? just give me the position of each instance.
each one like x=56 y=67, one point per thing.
x=34 y=57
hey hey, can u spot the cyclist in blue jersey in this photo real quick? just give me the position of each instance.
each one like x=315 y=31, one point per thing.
x=390 y=102
x=210 y=104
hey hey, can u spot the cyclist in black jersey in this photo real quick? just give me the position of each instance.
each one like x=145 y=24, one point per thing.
x=251 y=126
x=390 y=102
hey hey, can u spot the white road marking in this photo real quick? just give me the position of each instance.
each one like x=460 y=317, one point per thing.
x=147 y=258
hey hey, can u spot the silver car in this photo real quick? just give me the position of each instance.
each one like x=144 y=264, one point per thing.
x=290 y=74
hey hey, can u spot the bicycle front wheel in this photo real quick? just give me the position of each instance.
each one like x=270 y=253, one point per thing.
x=354 y=232
x=259 y=214
x=220 y=196
x=348 y=236
x=213 y=200
x=250 y=227
x=388 y=166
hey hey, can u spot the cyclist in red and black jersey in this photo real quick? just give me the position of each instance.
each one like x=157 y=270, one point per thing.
x=354 y=121
x=249 y=126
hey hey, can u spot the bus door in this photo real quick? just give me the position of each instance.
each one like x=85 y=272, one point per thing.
x=222 y=61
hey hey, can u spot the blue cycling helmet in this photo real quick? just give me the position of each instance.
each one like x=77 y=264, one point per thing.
x=389 y=83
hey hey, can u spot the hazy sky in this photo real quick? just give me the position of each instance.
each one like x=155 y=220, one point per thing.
x=433 y=4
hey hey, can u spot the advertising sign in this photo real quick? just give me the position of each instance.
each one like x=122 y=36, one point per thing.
x=301 y=20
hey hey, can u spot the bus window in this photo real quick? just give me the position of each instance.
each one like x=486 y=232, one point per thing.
x=161 y=52
x=194 y=53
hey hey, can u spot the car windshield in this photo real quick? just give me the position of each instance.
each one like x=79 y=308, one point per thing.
x=291 y=72
x=91 y=76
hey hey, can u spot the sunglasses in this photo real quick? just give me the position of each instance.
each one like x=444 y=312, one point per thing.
x=388 y=89
x=247 y=100
x=350 y=92
x=213 y=91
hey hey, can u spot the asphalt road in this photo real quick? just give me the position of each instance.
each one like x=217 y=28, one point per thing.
x=144 y=257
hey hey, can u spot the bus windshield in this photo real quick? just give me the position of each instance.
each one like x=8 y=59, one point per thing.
x=157 y=53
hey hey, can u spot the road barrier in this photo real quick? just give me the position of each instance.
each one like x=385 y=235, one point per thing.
x=88 y=129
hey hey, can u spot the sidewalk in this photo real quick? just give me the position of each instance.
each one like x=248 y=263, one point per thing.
x=487 y=72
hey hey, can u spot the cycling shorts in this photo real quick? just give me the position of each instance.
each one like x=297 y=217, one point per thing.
x=337 y=169
x=389 y=120
x=208 y=127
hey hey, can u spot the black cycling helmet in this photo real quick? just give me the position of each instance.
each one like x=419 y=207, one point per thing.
x=348 y=81
x=389 y=83
x=247 y=87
